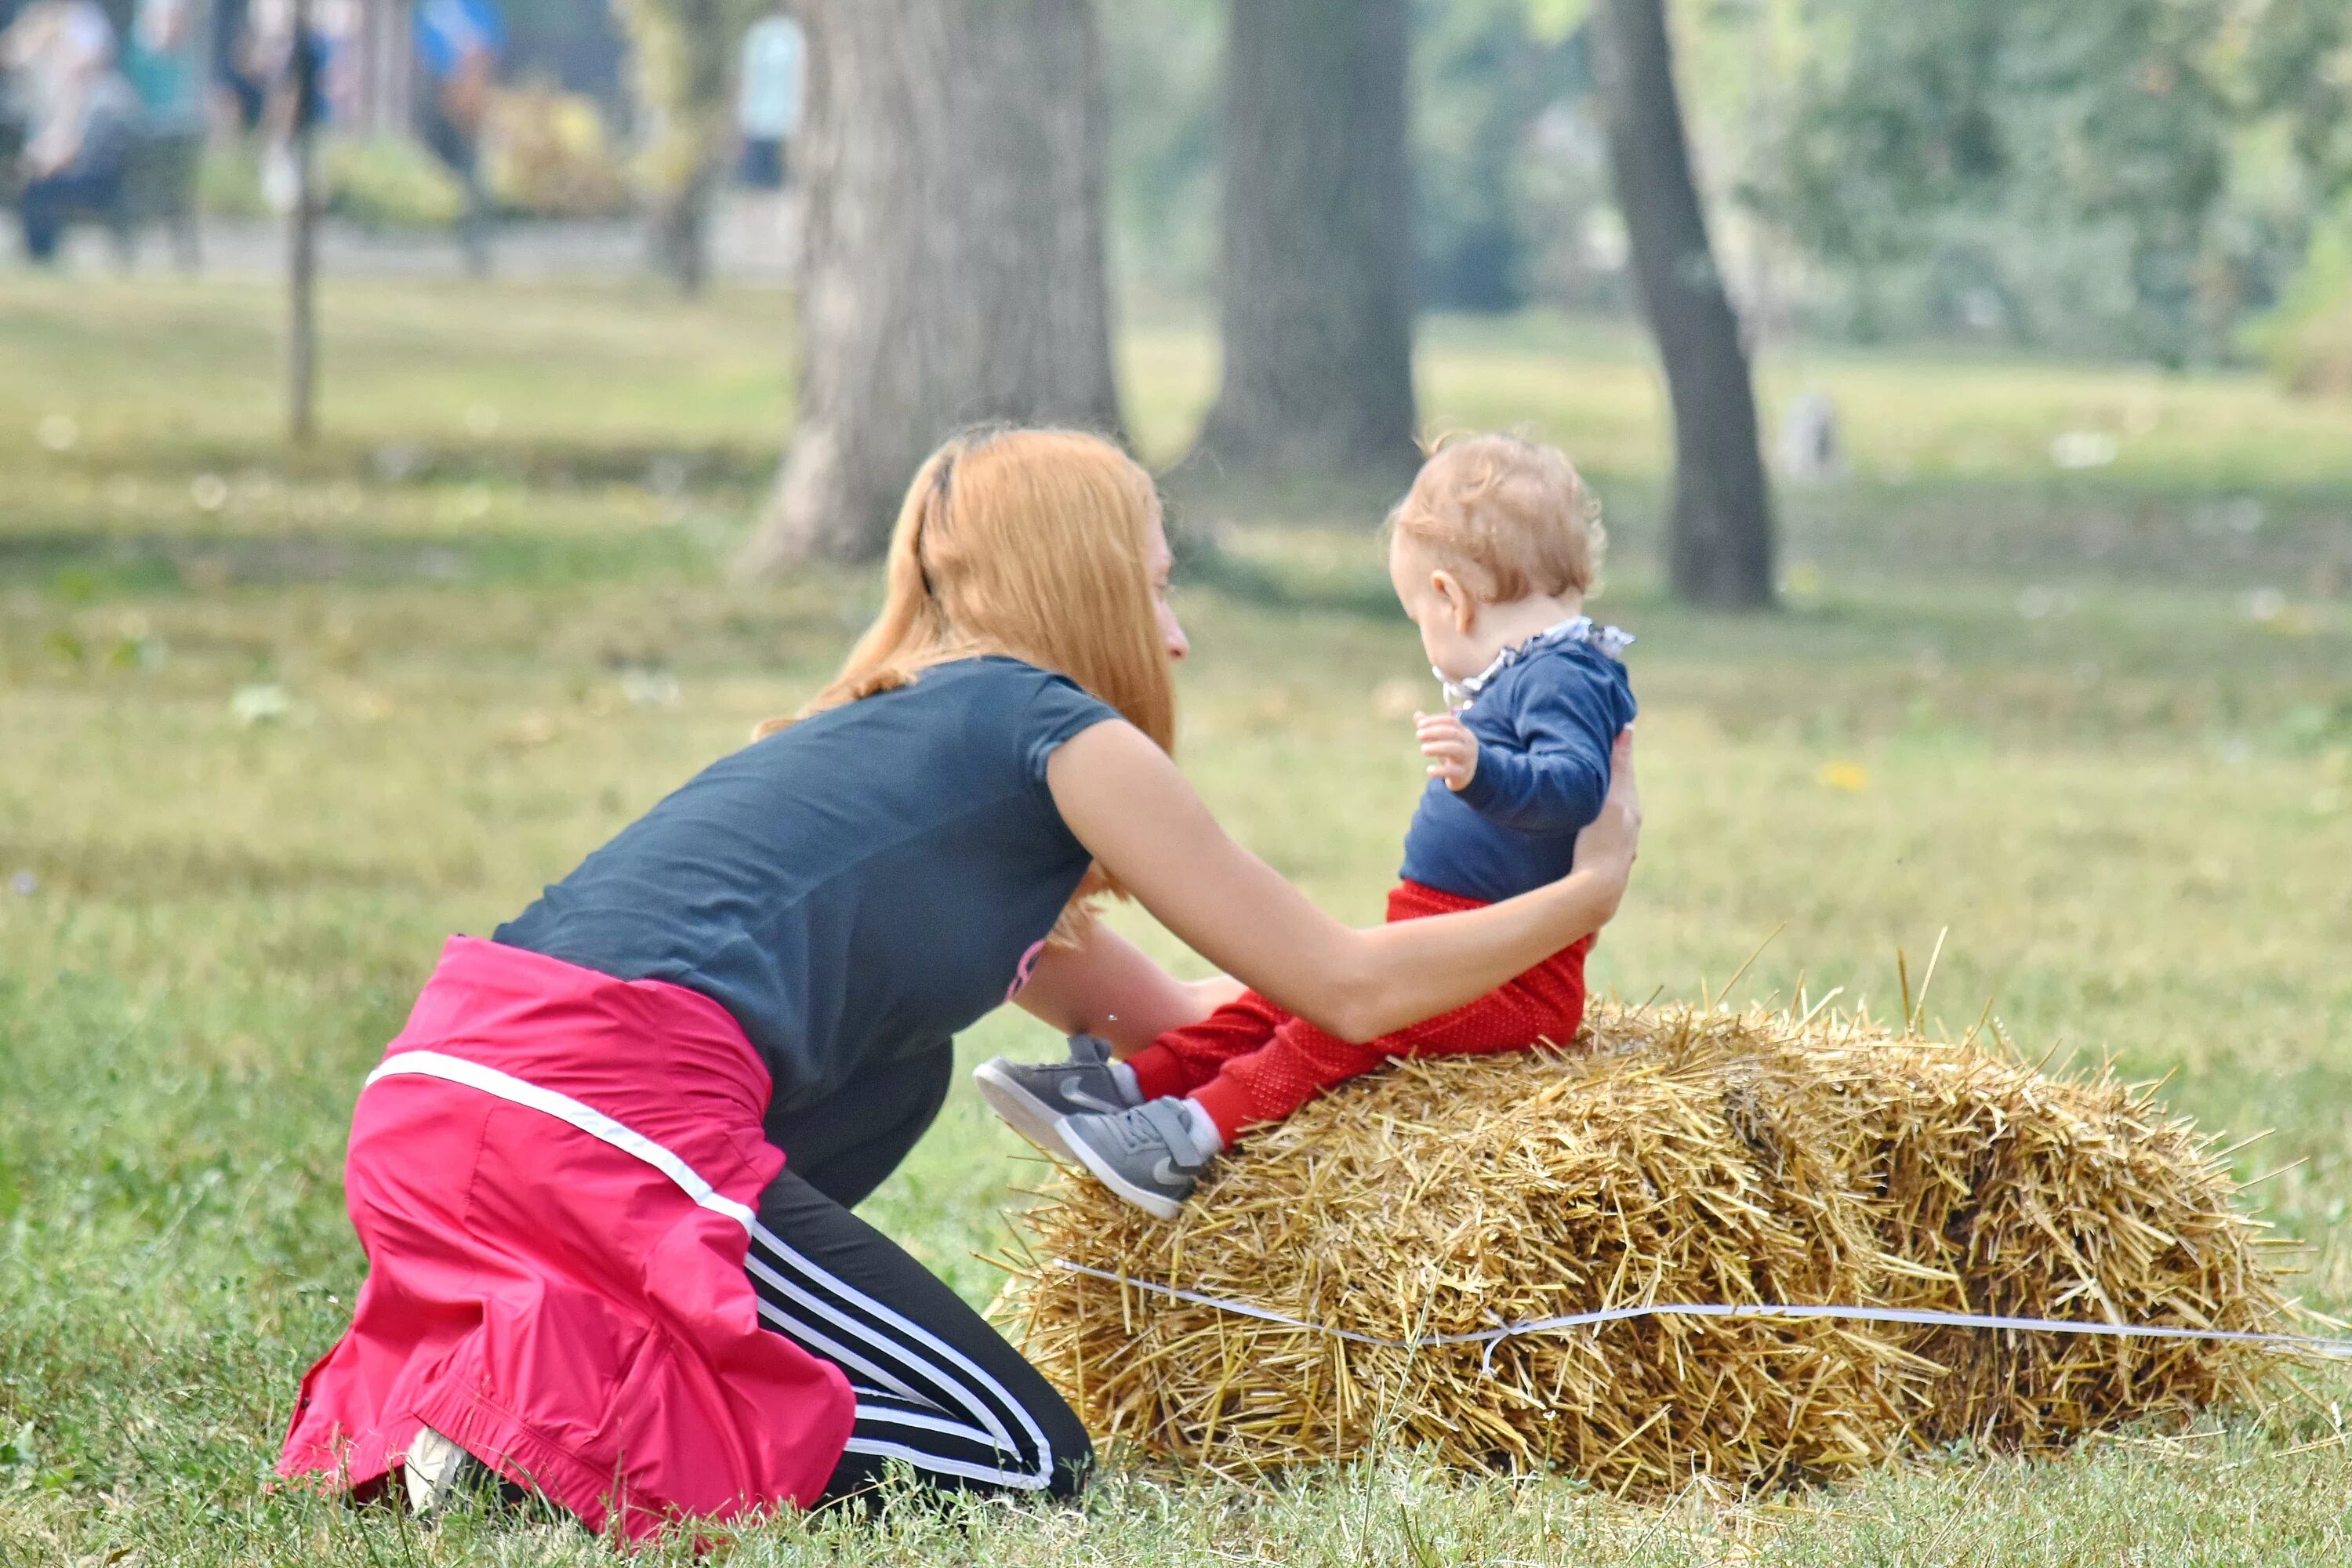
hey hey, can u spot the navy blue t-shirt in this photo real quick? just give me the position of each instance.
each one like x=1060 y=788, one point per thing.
x=1545 y=723
x=855 y=889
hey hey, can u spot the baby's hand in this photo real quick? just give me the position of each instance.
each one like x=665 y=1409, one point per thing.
x=1450 y=748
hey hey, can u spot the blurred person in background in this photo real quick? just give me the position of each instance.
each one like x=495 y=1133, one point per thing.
x=77 y=112
x=289 y=102
x=165 y=62
x=166 y=59
x=458 y=44
x=768 y=96
x=238 y=85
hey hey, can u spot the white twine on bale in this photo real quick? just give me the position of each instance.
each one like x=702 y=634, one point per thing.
x=1490 y=1338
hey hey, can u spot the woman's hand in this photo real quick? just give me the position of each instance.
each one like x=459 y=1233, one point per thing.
x=1610 y=843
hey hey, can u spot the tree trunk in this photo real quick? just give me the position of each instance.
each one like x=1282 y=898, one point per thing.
x=1315 y=282
x=686 y=224
x=954 y=270
x=1720 y=532
x=684 y=50
x=681 y=237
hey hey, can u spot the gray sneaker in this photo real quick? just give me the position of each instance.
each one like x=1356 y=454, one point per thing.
x=1146 y=1154
x=1032 y=1096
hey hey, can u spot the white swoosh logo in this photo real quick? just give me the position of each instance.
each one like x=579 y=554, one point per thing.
x=1166 y=1174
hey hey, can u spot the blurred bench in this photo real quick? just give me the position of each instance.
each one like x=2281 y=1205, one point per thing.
x=158 y=189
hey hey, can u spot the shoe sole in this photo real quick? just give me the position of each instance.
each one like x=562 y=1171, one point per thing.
x=1021 y=1110
x=1144 y=1198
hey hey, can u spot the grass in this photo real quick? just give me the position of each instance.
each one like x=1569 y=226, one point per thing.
x=2099 y=724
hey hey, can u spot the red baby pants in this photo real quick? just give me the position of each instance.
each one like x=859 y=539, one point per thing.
x=1250 y=1062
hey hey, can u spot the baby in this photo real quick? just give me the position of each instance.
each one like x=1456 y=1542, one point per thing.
x=1491 y=553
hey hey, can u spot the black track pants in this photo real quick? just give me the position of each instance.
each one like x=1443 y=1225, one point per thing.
x=936 y=1387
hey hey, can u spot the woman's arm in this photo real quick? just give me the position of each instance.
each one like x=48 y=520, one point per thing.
x=1107 y=986
x=1127 y=804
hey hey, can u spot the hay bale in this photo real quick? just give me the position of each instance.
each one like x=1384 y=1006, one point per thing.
x=1692 y=1156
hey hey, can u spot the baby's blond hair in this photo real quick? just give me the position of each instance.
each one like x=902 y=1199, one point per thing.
x=1512 y=514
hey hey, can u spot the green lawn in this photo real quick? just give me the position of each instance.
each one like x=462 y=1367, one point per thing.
x=270 y=726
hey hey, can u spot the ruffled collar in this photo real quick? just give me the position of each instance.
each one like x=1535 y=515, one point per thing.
x=1610 y=641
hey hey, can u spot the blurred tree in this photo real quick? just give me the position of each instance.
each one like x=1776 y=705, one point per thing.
x=1499 y=205
x=2299 y=70
x=1314 y=279
x=683 y=52
x=1484 y=71
x=1162 y=61
x=2043 y=120
x=2297 y=66
x=954 y=263
x=1923 y=169
x=2308 y=339
x=1719 y=531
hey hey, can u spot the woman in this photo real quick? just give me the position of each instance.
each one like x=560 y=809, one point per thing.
x=593 y=1269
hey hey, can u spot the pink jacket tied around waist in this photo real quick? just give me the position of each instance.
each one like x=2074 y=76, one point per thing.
x=554 y=1174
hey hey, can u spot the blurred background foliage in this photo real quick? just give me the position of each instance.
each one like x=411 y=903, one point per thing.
x=2158 y=180
x=2163 y=181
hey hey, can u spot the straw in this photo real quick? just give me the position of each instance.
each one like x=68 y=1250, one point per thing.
x=1682 y=1155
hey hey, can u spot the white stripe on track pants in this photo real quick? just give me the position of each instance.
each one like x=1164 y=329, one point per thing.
x=936 y=1387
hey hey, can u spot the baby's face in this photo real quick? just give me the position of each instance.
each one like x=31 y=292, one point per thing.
x=1439 y=606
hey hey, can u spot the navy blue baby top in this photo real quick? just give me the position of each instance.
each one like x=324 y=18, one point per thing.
x=1545 y=716
x=855 y=889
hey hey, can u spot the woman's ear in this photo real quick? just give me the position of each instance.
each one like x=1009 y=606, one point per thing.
x=1459 y=605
